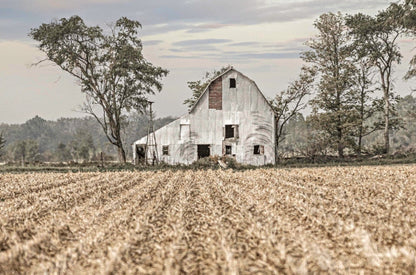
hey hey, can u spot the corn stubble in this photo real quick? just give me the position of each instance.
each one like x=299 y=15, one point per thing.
x=297 y=221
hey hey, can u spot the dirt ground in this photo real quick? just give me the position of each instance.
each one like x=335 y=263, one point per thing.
x=338 y=220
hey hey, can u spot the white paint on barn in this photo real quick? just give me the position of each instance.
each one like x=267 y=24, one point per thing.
x=244 y=107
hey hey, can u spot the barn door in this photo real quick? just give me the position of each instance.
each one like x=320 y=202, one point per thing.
x=203 y=151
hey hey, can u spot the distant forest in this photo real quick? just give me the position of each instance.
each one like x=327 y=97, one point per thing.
x=301 y=139
x=68 y=139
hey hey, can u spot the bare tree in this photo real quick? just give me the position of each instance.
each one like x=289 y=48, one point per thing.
x=289 y=102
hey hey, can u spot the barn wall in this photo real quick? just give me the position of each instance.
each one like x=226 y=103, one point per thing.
x=244 y=106
x=181 y=149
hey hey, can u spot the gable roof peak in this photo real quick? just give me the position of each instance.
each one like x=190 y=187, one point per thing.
x=230 y=68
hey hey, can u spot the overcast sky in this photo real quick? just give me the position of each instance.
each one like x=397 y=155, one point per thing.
x=261 y=38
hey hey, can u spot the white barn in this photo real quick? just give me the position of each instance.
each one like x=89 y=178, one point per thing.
x=231 y=118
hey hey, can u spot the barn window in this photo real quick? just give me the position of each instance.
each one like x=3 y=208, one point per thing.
x=165 y=150
x=233 y=83
x=231 y=131
x=228 y=150
x=258 y=150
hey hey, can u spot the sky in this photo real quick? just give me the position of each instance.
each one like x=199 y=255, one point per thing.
x=261 y=38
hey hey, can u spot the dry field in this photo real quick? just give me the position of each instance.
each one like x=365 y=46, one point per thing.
x=319 y=220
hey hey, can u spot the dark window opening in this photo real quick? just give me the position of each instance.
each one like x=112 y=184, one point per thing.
x=228 y=150
x=258 y=149
x=233 y=83
x=165 y=150
x=231 y=131
x=203 y=151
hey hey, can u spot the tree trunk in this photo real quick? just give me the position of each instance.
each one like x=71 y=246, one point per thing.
x=385 y=84
x=121 y=154
x=360 y=138
x=361 y=127
x=340 y=144
x=386 y=125
x=276 y=145
x=340 y=150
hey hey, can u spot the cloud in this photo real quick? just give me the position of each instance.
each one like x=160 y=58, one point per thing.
x=289 y=45
x=286 y=55
x=54 y=5
x=161 y=16
x=199 y=45
x=196 y=48
x=171 y=56
x=232 y=51
x=230 y=56
x=196 y=42
x=206 y=27
x=149 y=29
x=219 y=14
x=151 y=42
x=244 y=44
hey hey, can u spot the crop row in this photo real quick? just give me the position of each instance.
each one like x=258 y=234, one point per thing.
x=332 y=220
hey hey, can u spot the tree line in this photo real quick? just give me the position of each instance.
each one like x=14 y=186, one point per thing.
x=66 y=140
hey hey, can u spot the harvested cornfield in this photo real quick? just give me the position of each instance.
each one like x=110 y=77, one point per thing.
x=321 y=220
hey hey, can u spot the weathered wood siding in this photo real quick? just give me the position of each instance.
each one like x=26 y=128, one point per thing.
x=215 y=94
x=244 y=106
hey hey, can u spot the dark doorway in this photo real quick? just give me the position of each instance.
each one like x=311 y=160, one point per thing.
x=203 y=151
x=140 y=153
x=228 y=149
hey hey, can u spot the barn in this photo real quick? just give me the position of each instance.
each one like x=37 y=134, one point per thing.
x=231 y=118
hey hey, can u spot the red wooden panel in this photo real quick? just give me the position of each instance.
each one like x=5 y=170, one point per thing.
x=215 y=95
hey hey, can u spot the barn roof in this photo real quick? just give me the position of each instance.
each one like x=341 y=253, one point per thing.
x=230 y=68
